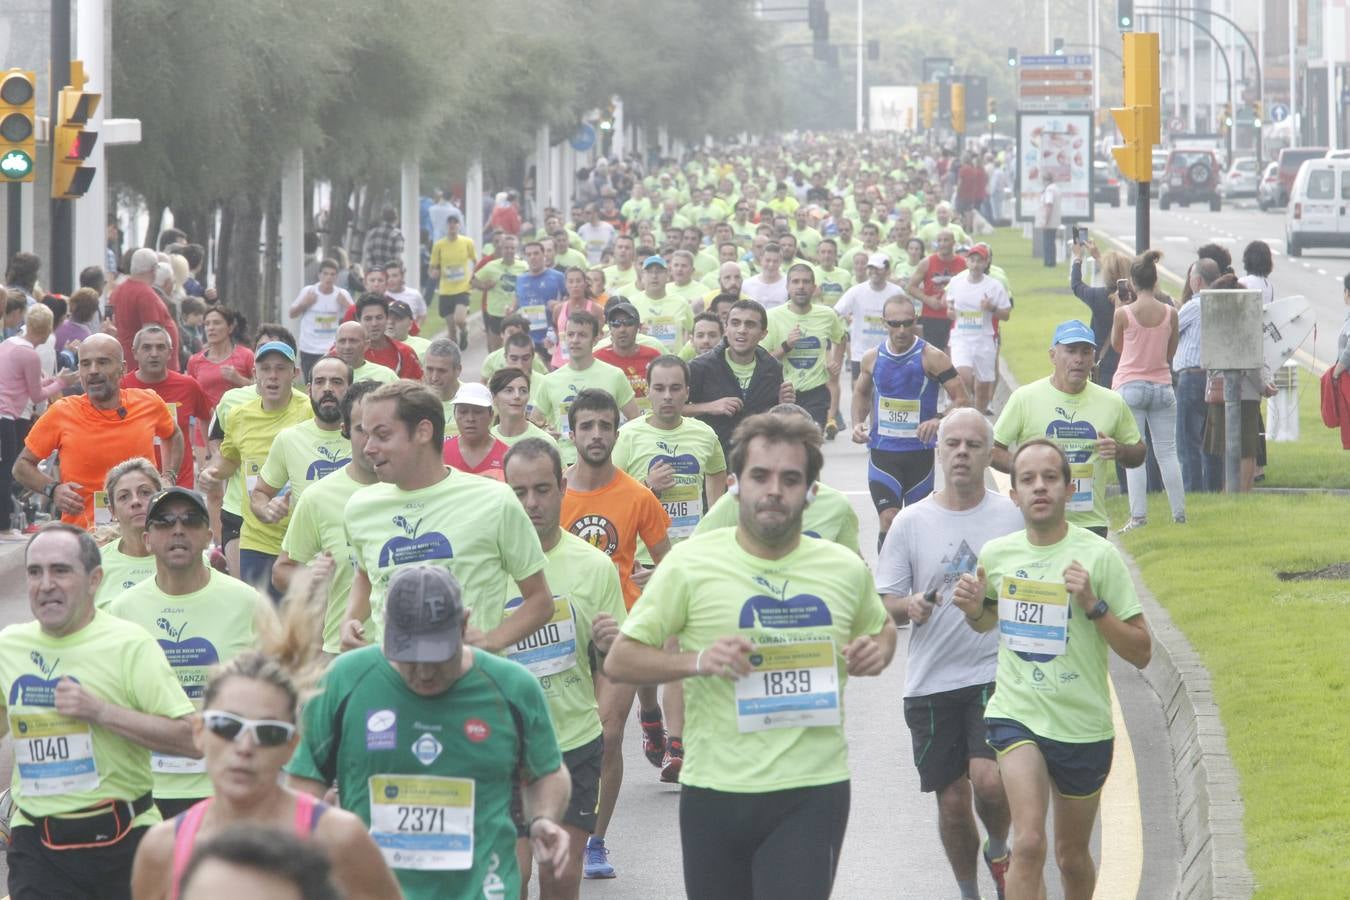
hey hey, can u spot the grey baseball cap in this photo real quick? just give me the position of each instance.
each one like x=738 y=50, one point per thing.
x=423 y=615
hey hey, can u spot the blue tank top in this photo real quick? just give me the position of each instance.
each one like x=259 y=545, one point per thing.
x=902 y=396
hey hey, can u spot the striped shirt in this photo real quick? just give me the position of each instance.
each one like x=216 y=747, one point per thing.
x=1188 y=341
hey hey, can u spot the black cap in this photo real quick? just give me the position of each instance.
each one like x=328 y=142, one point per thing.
x=164 y=496
x=621 y=308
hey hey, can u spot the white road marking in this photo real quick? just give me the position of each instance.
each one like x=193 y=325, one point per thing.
x=1223 y=240
x=1177 y=239
x=1321 y=271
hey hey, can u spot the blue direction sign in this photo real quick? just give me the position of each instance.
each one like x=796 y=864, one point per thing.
x=1279 y=112
x=584 y=139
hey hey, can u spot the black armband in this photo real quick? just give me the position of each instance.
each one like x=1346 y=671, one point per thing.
x=946 y=375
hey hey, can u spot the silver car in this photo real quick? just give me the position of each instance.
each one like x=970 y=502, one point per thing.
x=1241 y=178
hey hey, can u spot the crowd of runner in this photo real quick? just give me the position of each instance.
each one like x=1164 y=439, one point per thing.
x=323 y=549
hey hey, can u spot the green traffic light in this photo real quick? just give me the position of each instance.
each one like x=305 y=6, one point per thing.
x=16 y=164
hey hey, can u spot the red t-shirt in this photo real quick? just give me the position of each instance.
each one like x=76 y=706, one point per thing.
x=208 y=374
x=133 y=305
x=633 y=367
x=398 y=356
x=970 y=183
x=186 y=401
x=939 y=272
x=492 y=465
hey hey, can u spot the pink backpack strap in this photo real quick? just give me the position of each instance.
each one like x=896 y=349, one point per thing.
x=304 y=814
x=184 y=836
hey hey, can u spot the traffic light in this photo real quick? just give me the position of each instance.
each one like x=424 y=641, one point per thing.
x=818 y=17
x=1258 y=109
x=1226 y=118
x=928 y=103
x=18 y=125
x=1012 y=57
x=1125 y=15
x=1059 y=46
x=1138 y=120
x=993 y=111
x=958 y=107
x=71 y=143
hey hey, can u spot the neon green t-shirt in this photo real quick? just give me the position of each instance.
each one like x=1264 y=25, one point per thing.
x=121 y=572
x=690 y=292
x=249 y=434
x=373 y=371
x=585 y=584
x=560 y=387
x=691 y=448
x=474 y=527
x=832 y=284
x=234 y=491
x=531 y=431
x=781 y=727
x=503 y=292
x=63 y=764
x=1051 y=657
x=317 y=526
x=744 y=372
x=302 y=454
x=197 y=632
x=1075 y=422
x=804 y=365
x=620 y=281
x=669 y=320
x=830 y=517
x=419 y=346
x=929 y=232
x=496 y=360
x=443 y=766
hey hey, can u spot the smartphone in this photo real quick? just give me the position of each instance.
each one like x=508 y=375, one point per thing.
x=1077 y=234
x=1124 y=293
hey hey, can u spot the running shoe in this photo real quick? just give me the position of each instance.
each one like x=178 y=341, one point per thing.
x=998 y=868
x=831 y=428
x=653 y=738
x=596 y=864
x=1133 y=524
x=670 y=772
x=464 y=338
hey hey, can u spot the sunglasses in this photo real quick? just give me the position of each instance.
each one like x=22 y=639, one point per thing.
x=188 y=520
x=266 y=732
x=622 y=323
x=900 y=323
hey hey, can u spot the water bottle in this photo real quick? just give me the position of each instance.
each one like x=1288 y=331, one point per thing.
x=550 y=339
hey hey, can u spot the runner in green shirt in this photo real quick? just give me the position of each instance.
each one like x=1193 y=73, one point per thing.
x=665 y=316
x=589 y=608
x=425 y=737
x=87 y=697
x=126 y=561
x=497 y=279
x=423 y=513
x=497 y=359
x=350 y=347
x=556 y=391
x=199 y=617
x=808 y=338
x=769 y=628
x=317 y=532
x=510 y=389
x=1060 y=596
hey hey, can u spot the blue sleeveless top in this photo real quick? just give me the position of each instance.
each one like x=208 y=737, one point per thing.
x=902 y=396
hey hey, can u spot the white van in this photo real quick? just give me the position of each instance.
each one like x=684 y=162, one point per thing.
x=1318 y=214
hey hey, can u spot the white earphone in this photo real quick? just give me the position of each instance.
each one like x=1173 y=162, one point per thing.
x=734 y=489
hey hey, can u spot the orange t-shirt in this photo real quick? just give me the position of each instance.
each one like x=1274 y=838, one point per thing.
x=92 y=440
x=612 y=518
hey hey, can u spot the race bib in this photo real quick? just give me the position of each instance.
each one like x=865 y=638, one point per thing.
x=454 y=273
x=251 y=469
x=791 y=686
x=54 y=753
x=553 y=648
x=325 y=325
x=102 y=511
x=565 y=420
x=969 y=321
x=176 y=765
x=1081 y=484
x=897 y=418
x=423 y=821
x=537 y=315
x=874 y=329
x=684 y=504
x=665 y=329
x=1033 y=616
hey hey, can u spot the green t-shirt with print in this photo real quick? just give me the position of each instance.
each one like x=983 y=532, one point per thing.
x=560 y=387
x=503 y=292
x=317 y=526
x=691 y=449
x=250 y=432
x=805 y=364
x=121 y=572
x=302 y=454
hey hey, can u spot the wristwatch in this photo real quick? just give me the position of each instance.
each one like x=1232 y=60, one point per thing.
x=1098 y=611
x=50 y=490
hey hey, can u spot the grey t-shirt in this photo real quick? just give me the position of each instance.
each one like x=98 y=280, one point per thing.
x=928 y=548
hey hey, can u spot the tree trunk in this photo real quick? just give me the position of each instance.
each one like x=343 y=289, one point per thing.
x=272 y=258
x=339 y=216
x=240 y=272
x=154 y=223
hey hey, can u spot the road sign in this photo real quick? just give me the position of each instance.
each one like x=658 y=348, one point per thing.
x=584 y=139
x=1176 y=124
x=1279 y=112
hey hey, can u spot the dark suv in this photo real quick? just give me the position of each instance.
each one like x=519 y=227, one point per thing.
x=1192 y=176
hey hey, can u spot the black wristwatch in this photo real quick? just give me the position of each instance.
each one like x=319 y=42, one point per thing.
x=1098 y=611
x=50 y=490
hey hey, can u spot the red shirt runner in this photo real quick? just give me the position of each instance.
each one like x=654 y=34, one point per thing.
x=634 y=368
x=492 y=465
x=186 y=401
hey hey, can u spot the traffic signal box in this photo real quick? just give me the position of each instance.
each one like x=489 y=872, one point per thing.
x=71 y=142
x=958 y=107
x=1139 y=120
x=18 y=125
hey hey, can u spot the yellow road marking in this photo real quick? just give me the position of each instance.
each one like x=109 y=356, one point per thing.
x=1122 y=821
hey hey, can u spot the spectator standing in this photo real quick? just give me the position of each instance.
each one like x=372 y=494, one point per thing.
x=1048 y=213
x=385 y=241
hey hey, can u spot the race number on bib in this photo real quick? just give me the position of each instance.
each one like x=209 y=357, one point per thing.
x=553 y=648
x=969 y=321
x=102 y=511
x=898 y=418
x=454 y=273
x=684 y=505
x=251 y=469
x=874 y=330
x=54 y=753
x=1081 y=484
x=537 y=315
x=325 y=325
x=665 y=329
x=791 y=686
x=1033 y=616
x=423 y=821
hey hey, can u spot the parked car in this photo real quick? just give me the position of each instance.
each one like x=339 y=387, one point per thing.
x=1317 y=214
x=1159 y=166
x=1241 y=178
x=1105 y=183
x=1290 y=159
x=1269 y=187
x=1191 y=176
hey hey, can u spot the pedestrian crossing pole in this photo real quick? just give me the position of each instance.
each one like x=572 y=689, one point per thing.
x=1140 y=124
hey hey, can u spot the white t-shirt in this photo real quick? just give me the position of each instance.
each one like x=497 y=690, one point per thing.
x=319 y=323
x=865 y=305
x=1049 y=198
x=928 y=548
x=1259 y=283
x=965 y=297
x=767 y=293
x=596 y=238
x=413 y=298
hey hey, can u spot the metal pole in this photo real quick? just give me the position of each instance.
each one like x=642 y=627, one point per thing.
x=1260 y=84
x=862 y=51
x=1190 y=80
x=91 y=213
x=14 y=219
x=1293 y=74
x=292 y=231
x=410 y=219
x=1333 y=96
x=60 y=271
x=1141 y=209
x=1232 y=432
x=1094 y=31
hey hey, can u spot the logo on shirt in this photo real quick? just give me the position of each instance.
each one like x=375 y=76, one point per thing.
x=1078 y=440
x=32 y=690
x=682 y=463
x=330 y=460
x=775 y=609
x=477 y=730
x=597 y=531
x=410 y=547
x=426 y=749
x=381 y=729
x=191 y=656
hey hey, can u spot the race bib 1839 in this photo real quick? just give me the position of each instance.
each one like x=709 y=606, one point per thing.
x=792 y=685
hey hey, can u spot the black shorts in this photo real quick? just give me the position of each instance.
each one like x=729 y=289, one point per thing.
x=816 y=401
x=1078 y=770
x=584 y=765
x=897 y=478
x=446 y=303
x=855 y=367
x=948 y=731
x=492 y=324
x=94 y=873
x=936 y=331
x=230 y=524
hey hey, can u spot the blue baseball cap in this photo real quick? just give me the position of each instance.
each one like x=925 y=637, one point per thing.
x=1073 y=332
x=274 y=347
x=654 y=261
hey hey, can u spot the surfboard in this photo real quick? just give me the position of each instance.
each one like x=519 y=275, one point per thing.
x=1286 y=323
